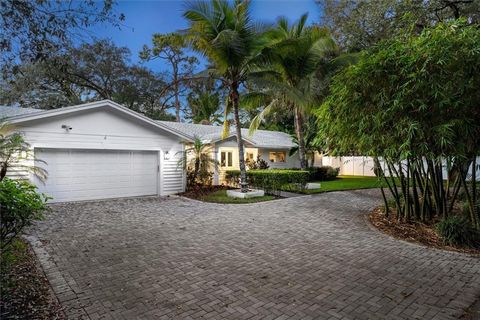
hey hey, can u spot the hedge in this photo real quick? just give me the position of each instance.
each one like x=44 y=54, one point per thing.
x=271 y=181
x=324 y=173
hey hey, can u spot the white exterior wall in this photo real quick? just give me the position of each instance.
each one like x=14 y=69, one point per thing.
x=231 y=145
x=109 y=129
x=290 y=162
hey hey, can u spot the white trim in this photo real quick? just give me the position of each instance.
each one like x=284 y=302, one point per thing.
x=95 y=105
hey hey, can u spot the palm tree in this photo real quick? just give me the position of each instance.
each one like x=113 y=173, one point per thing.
x=204 y=106
x=16 y=154
x=289 y=78
x=312 y=144
x=223 y=31
x=197 y=159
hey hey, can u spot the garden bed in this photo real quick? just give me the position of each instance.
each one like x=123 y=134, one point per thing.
x=415 y=232
x=25 y=291
x=218 y=194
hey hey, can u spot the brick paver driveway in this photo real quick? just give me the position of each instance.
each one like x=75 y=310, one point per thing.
x=311 y=257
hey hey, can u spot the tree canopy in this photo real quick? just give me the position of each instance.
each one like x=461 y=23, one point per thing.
x=419 y=107
x=357 y=25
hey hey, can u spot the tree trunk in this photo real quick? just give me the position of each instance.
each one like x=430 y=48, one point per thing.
x=234 y=96
x=300 y=138
x=175 y=88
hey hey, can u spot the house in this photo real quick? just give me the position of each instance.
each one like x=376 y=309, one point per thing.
x=271 y=146
x=103 y=150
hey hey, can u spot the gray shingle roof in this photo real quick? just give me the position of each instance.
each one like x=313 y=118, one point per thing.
x=260 y=138
x=8 y=111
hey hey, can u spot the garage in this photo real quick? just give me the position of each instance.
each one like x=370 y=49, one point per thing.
x=99 y=150
x=77 y=174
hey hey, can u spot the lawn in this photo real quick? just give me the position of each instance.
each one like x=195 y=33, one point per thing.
x=220 y=196
x=346 y=183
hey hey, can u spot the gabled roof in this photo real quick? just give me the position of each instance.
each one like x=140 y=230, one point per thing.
x=187 y=131
x=211 y=134
x=19 y=115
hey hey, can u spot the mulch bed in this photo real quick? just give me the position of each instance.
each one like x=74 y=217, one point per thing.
x=416 y=232
x=25 y=291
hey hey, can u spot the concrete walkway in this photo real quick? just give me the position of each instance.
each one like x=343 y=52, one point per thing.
x=309 y=257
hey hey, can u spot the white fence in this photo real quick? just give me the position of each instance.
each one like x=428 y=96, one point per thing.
x=361 y=166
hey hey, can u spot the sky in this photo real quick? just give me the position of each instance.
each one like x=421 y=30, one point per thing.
x=144 y=18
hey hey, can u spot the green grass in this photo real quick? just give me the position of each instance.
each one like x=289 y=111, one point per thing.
x=221 y=197
x=347 y=183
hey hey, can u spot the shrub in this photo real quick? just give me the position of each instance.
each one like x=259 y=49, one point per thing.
x=272 y=181
x=457 y=231
x=20 y=205
x=323 y=173
x=255 y=165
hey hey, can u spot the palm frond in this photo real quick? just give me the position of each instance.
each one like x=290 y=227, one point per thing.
x=259 y=118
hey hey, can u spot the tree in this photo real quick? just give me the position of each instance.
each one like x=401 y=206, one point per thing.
x=312 y=144
x=16 y=154
x=204 y=102
x=91 y=71
x=171 y=48
x=357 y=25
x=412 y=101
x=224 y=32
x=288 y=79
x=197 y=160
x=33 y=30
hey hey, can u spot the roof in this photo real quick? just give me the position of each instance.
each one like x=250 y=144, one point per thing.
x=19 y=115
x=188 y=131
x=210 y=133
x=7 y=111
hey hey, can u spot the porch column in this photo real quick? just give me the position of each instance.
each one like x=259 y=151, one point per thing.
x=215 y=170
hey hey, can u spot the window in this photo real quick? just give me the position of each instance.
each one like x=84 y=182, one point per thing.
x=277 y=156
x=226 y=159
x=249 y=156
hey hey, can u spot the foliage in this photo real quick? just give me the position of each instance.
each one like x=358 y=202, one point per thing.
x=15 y=153
x=198 y=161
x=224 y=32
x=358 y=25
x=288 y=78
x=20 y=205
x=324 y=173
x=221 y=196
x=257 y=164
x=33 y=30
x=418 y=113
x=311 y=143
x=457 y=231
x=170 y=48
x=204 y=102
x=272 y=181
x=99 y=70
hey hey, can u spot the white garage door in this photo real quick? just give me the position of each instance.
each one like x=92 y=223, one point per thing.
x=98 y=174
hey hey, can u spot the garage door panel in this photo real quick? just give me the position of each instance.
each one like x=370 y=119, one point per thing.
x=97 y=174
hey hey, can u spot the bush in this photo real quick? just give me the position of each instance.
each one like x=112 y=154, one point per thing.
x=323 y=173
x=255 y=165
x=20 y=205
x=271 y=181
x=457 y=231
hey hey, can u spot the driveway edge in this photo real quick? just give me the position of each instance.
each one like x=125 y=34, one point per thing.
x=63 y=289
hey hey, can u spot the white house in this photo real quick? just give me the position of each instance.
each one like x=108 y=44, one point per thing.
x=103 y=150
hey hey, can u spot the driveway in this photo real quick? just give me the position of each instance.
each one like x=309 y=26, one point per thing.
x=311 y=257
